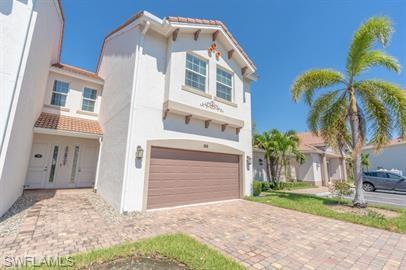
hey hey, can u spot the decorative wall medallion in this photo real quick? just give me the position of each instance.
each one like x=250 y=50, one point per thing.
x=211 y=105
x=213 y=49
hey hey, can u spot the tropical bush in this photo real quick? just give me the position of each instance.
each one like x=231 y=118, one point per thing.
x=340 y=189
x=290 y=185
x=256 y=188
x=265 y=186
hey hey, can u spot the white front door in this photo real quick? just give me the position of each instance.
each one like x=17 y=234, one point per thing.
x=38 y=170
x=62 y=166
x=60 y=178
x=86 y=171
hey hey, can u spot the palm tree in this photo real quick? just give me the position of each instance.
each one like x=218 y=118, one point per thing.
x=365 y=161
x=279 y=148
x=350 y=102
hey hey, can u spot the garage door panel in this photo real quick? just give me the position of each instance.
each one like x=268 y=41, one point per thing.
x=192 y=183
x=184 y=199
x=195 y=169
x=191 y=176
x=188 y=156
x=179 y=177
x=187 y=163
x=191 y=189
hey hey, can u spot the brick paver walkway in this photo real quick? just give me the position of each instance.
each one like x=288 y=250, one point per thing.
x=257 y=235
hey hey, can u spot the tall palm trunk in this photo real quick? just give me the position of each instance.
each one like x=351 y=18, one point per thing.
x=359 y=199
x=268 y=169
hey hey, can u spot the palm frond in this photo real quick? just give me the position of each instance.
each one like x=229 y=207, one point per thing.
x=331 y=122
x=320 y=105
x=393 y=97
x=308 y=82
x=379 y=58
x=378 y=115
x=375 y=29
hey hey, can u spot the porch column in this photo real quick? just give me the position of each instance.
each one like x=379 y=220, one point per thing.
x=325 y=170
x=344 y=169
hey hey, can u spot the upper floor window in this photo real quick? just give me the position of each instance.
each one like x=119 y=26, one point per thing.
x=59 y=93
x=89 y=99
x=224 y=84
x=195 y=73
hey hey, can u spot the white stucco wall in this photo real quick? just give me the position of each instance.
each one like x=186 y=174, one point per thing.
x=390 y=157
x=40 y=50
x=335 y=170
x=259 y=168
x=117 y=70
x=73 y=106
x=310 y=171
x=149 y=127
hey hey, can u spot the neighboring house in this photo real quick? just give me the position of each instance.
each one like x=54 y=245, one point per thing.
x=391 y=156
x=322 y=165
x=165 y=120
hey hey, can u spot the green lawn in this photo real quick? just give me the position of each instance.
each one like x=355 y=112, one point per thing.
x=319 y=206
x=177 y=247
x=295 y=185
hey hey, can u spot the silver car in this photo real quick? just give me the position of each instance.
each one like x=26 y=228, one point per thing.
x=374 y=180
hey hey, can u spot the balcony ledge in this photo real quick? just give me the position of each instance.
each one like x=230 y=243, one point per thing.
x=202 y=114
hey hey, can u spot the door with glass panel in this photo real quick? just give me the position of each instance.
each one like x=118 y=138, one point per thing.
x=61 y=161
x=53 y=166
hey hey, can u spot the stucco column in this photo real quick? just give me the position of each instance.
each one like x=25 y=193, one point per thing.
x=344 y=168
x=324 y=171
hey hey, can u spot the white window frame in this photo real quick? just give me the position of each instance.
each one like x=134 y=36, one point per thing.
x=232 y=83
x=190 y=70
x=59 y=93
x=88 y=99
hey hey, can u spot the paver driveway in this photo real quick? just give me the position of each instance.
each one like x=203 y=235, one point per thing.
x=259 y=236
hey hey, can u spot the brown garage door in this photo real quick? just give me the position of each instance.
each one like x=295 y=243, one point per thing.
x=179 y=177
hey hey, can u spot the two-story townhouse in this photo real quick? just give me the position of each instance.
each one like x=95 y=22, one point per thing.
x=66 y=134
x=176 y=114
x=165 y=121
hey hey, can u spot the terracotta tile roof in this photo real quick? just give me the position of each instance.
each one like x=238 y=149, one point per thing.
x=67 y=123
x=77 y=70
x=308 y=141
x=211 y=22
x=179 y=20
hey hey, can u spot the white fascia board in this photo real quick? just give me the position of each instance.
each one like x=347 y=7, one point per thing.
x=225 y=35
x=76 y=75
x=59 y=132
x=367 y=147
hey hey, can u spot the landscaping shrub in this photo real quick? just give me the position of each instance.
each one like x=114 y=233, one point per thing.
x=256 y=188
x=340 y=189
x=265 y=186
x=290 y=185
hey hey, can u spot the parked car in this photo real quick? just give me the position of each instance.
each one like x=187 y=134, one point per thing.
x=374 y=180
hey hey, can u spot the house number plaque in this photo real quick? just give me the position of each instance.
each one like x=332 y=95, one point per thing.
x=211 y=105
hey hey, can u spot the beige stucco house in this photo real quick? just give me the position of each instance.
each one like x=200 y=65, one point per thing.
x=322 y=166
x=164 y=121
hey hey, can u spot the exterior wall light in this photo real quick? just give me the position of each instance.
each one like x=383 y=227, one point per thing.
x=140 y=152
x=249 y=160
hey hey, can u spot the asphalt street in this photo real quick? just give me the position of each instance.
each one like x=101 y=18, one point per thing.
x=390 y=198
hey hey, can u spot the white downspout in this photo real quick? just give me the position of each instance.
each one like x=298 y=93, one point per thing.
x=128 y=159
x=14 y=97
x=98 y=165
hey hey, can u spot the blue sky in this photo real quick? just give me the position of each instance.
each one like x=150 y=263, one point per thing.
x=283 y=38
